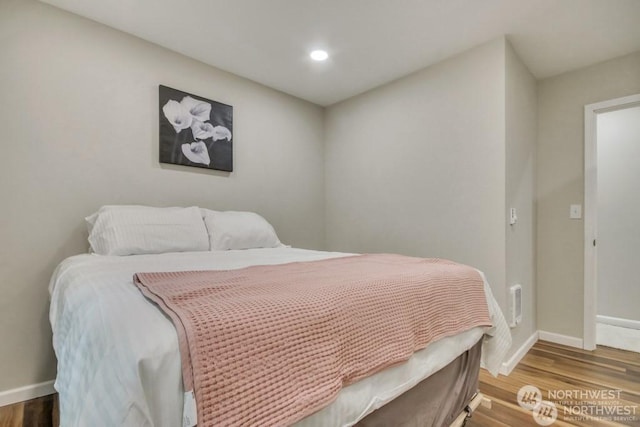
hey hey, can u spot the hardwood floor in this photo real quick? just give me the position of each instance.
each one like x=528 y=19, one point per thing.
x=550 y=367
x=562 y=370
x=40 y=412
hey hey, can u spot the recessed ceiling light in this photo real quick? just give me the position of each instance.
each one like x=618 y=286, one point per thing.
x=319 y=55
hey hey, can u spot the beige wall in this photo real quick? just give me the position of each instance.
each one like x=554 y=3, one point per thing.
x=521 y=111
x=618 y=143
x=417 y=166
x=79 y=116
x=427 y=165
x=560 y=182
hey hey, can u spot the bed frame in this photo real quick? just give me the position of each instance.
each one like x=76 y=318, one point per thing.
x=478 y=400
x=446 y=398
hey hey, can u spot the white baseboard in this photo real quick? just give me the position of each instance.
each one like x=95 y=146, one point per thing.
x=618 y=337
x=561 y=339
x=508 y=366
x=616 y=321
x=28 y=392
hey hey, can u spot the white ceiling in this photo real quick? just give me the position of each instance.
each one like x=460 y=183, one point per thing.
x=370 y=42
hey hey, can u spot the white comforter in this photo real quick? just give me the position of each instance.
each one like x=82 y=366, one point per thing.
x=118 y=358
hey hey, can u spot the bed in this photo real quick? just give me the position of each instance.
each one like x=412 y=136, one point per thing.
x=119 y=361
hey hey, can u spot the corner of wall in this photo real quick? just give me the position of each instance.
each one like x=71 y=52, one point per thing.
x=520 y=148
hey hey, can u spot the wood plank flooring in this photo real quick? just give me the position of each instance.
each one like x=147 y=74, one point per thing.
x=550 y=367
x=40 y=412
x=559 y=369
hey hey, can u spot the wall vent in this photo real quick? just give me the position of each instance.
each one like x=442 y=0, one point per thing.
x=515 y=305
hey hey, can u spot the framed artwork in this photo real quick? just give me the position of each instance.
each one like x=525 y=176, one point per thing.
x=195 y=131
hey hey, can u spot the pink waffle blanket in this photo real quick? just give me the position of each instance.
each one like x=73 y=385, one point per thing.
x=269 y=345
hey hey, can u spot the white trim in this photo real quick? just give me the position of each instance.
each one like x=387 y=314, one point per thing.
x=590 y=209
x=616 y=321
x=614 y=104
x=618 y=337
x=510 y=364
x=561 y=339
x=21 y=394
x=590 y=222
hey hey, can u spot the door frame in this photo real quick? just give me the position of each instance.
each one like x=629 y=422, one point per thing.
x=591 y=112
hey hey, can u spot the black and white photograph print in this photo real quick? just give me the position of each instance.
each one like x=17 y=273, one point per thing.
x=195 y=131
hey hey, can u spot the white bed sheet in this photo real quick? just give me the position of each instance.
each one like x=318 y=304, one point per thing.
x=118 y=357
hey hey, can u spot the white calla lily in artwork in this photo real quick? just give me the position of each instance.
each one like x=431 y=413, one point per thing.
x=200 y=110
x=201 y=130
x=196 y=152
x=221 y=132
x=178 y=116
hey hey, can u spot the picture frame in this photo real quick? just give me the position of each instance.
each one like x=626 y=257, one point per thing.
x=195 y=131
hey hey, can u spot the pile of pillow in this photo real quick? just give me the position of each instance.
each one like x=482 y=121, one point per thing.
x=135 y=230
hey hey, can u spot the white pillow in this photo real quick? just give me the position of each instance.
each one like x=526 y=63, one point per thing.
x=239 y=230
x=135 y=230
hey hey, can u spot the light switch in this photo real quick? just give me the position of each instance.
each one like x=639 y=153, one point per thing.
x=513 y=216
x=575 y=211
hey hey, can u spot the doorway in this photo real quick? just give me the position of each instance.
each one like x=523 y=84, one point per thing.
x=612 y=229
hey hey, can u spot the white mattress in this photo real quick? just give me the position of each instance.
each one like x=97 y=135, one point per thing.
x=118 y=358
